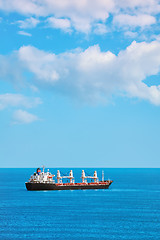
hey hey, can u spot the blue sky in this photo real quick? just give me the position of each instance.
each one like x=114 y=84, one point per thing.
x=79 y=83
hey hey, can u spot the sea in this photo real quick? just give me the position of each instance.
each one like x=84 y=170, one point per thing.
x=129 y=209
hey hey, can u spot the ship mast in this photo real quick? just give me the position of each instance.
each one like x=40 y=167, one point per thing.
x=102 y=176
x=43 y=168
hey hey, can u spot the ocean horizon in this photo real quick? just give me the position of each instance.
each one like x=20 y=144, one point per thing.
x=129 y=209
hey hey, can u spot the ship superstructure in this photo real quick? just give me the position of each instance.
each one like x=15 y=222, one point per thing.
x=42 y=177
x=42 y=180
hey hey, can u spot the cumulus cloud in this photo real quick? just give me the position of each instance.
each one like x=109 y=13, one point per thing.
x=17 y=100
x=28 y=23
x=83 y=15
x=80 y=13
x=59 y=23
x=141 y=20
x=93 y=75
x=23 y=117
x=100 y=29
x=40 y=63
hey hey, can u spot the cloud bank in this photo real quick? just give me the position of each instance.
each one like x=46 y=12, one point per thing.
x=83 y=15
x=92 y=75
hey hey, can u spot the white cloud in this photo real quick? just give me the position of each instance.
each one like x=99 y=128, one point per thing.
x=83 y=15
x=63 y=24
x=23 y=117
x=147 y=6
x=16 y=100
x=24 y=33
x=39 y=63
x=23 y=7
x=134 y=21
x=100 y=29
x=28 y=23
x=131 y=34
x=91 y=75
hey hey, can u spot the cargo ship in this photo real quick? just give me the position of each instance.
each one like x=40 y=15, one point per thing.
x=44 y=180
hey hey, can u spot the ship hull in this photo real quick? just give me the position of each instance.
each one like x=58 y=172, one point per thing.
x=52 y=186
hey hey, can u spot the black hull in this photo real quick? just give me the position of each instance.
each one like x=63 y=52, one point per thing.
x=51 y=186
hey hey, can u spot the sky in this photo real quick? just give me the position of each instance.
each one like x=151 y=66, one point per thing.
x=80 y=83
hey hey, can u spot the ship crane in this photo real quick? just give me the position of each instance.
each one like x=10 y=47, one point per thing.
x=59 y=177
x=84 y=177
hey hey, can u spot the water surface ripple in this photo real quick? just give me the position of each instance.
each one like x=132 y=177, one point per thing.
x=129 y=210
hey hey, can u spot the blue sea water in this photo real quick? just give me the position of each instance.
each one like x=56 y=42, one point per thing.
x=129 y=210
